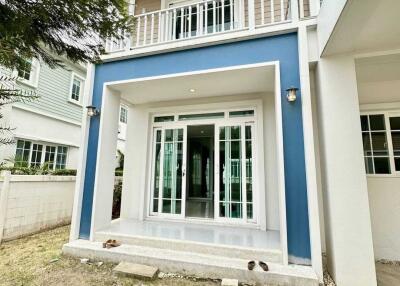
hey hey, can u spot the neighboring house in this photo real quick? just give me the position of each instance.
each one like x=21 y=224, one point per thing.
x=244 y=140
x=47 y=130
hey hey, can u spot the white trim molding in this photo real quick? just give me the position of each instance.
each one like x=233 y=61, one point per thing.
x=310 y=157
x=80 y=176
x=141 y=213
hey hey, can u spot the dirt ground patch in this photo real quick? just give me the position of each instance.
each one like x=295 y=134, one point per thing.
x=388 y=273
x=37 y=260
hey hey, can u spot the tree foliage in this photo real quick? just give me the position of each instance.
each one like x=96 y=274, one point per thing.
x=50 y=29
x=73 y=29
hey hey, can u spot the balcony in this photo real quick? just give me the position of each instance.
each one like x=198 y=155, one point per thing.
x=207 y=21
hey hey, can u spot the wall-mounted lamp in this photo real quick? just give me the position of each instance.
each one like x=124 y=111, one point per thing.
x=291 y=93
x=92 y=111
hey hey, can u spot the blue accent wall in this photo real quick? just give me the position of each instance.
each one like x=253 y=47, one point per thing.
x=282 y=48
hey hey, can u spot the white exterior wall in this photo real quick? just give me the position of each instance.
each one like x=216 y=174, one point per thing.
x=138 y=147
x=346 y=208
x=384 y=201
x=36 y=127
x=33 y=203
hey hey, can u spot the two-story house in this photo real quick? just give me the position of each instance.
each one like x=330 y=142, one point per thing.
x=244 y=140
x=47 y=129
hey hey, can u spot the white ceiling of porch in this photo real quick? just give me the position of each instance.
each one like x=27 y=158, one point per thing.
x=366 y=25
x=248 y=80
x=378 y=79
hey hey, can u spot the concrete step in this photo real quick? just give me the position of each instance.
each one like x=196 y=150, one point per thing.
x=270 y=255
x=140 y=271
x=199 y=265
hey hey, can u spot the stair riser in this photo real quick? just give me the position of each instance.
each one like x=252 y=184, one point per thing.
x=187 y=246
x=192 y=269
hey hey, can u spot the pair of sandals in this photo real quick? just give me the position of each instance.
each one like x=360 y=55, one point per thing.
x=111 y=243
x=262 y=264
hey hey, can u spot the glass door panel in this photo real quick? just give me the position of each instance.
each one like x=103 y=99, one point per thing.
x=230 y=161
x=157 y=172
x=168 y=171
x=235 y=172
x=172 y=171
x=249 y=170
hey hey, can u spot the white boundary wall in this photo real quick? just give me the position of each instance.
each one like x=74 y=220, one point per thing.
x=384 y=202
x=32 y=203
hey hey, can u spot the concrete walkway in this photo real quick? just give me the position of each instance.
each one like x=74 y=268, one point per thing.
x=388 y=274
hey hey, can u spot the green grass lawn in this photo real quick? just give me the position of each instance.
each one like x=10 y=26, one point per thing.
x=37 y=260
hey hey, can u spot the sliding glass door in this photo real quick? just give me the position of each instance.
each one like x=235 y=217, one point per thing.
x=218 y=149
x=169 y=165
x=234 y=172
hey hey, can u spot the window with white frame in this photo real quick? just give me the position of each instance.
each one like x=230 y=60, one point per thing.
x=61 y=161
x=22 y=153
x=24 y=72
x=123 y=115
x=76 y=91
x=381 y=143
x=35 y=155
x=28 y=73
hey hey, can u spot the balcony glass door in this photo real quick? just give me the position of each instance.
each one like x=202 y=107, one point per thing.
x=169 y=167
x=196 y=18
x=234 y=172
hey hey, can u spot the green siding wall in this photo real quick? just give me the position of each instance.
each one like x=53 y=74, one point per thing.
x=53 y=91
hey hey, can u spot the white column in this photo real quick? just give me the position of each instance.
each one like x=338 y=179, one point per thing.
x=347 y=216
x=106 y=158
x=309 y=151
x=137 y=146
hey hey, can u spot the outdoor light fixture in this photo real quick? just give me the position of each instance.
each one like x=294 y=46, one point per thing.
x=92 y=111
x=291 y=94
x=192 y=90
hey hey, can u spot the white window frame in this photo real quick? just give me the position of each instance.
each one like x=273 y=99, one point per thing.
x=120 y=113
x=225 y=120
x=81 y=90
x=387 y=115
x=42 y=159
x=33 y=81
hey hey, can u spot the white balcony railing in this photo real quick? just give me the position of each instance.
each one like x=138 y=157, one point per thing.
x=204 y=18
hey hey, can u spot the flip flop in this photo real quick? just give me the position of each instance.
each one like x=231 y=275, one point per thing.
x=251 y=265
x=106 y=243
x=263 y=265
x=114 y=243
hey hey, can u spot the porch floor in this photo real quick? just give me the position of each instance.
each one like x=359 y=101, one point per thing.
x=237 y=236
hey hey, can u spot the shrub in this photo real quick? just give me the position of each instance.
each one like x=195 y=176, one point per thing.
x=39 y=171
x=116 y=208
x=119 y=172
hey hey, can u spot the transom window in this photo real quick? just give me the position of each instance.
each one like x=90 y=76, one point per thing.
x=36 y=155
x=76 y=88
x=200 y=116
x=381 y=143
